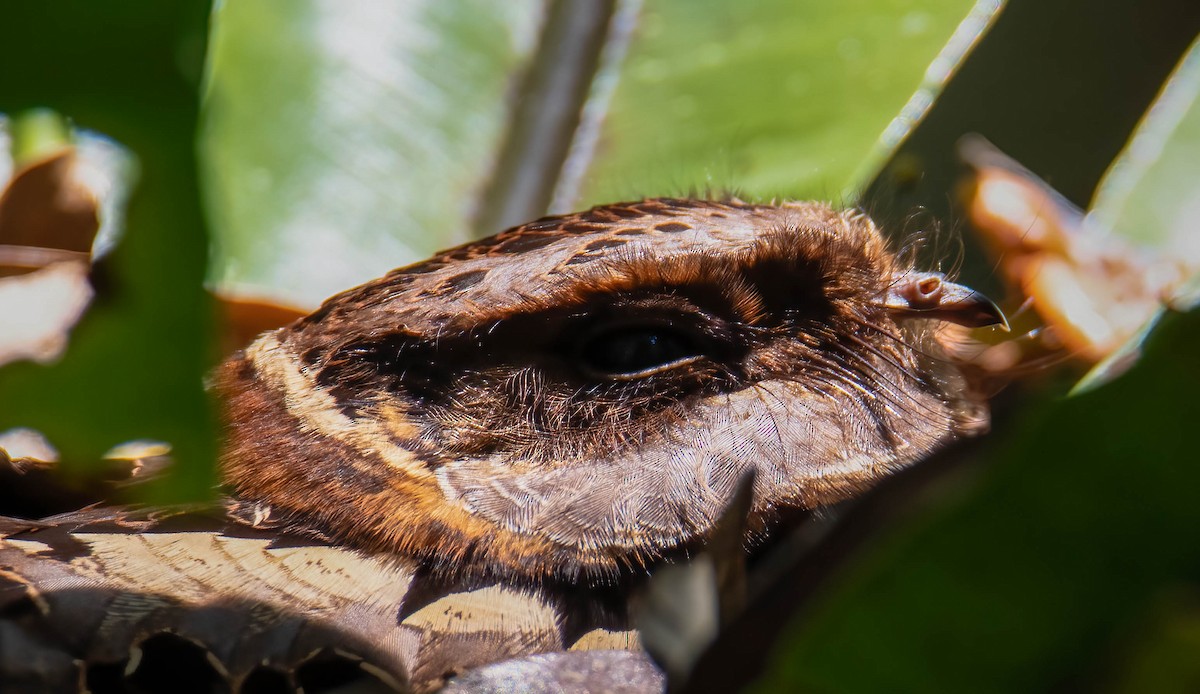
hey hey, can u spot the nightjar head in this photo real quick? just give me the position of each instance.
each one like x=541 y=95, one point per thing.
x=580 y=395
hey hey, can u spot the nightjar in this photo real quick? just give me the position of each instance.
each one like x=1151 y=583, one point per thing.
x=479 y=457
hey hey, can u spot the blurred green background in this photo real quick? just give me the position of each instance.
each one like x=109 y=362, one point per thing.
x=292 y=149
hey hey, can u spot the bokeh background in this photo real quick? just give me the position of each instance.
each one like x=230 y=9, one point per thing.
x=278 y=152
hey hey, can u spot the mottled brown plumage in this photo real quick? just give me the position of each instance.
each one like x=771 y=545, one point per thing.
x=527 y=424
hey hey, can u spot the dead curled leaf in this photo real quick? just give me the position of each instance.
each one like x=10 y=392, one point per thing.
x=40 y=308
x=48 y=223
x=1092 y=290
x=49 y=204
x=34 y=483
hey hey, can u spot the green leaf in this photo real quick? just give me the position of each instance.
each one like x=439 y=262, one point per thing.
x=1151 y=195
x=772 y=98
x=343 y=140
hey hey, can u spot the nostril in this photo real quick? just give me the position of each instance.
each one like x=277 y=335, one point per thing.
x=922 y=293
x=930 y=287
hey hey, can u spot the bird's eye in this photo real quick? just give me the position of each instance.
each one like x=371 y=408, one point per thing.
x=630 y=352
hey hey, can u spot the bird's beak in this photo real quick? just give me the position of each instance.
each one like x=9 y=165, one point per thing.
x=931 y=295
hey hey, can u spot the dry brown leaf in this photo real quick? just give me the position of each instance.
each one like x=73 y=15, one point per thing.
x=1092 y=290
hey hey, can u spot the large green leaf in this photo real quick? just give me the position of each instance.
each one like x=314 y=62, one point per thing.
x=770 y=98
x=344 y=141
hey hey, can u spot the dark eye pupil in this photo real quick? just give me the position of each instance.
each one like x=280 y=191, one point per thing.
x=629 y=351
